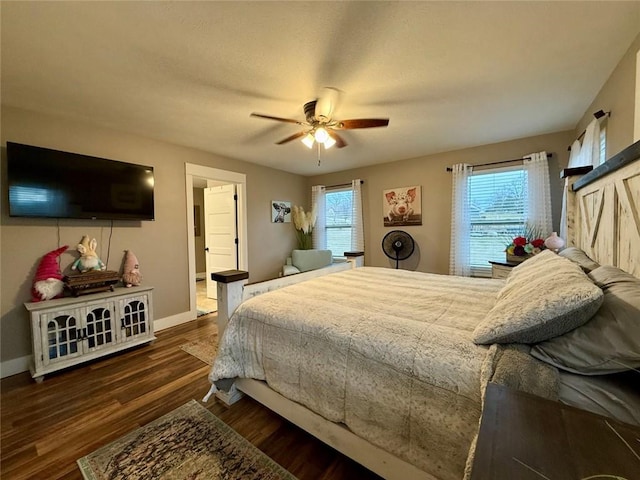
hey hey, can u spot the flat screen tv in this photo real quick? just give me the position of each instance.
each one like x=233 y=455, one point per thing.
x=54 y=184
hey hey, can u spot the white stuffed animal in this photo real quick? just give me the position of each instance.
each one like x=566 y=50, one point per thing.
x=88 y=257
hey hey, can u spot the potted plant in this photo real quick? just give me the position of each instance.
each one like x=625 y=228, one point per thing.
x=304 y=223
x=525 y=245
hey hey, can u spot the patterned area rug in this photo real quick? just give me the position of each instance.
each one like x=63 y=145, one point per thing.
x=205 y=349
x=187 y=443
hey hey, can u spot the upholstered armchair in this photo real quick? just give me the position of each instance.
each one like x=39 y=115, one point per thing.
x=305 y=260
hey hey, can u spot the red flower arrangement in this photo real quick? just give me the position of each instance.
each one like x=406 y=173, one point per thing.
x=522 y=246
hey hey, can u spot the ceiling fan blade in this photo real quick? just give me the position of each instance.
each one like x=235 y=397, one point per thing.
x=326 y=104
x=362 y=123
x=292 y=137
x=278 y=119
x=339 y=140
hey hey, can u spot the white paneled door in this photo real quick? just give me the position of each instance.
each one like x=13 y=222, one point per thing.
x=221 y=248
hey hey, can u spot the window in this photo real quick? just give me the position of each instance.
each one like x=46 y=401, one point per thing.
x=338 y=211
x=603 y=141
x=497 y=202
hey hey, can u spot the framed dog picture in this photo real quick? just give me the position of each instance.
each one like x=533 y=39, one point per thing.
x=402 y=206
x=280 y=211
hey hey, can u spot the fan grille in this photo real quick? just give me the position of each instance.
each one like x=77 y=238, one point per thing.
x=398 y=245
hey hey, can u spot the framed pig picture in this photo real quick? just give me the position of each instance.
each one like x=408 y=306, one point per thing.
x=402 y=206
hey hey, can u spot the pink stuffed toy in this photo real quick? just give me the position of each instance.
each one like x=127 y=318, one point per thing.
x=131 y=275
x=47 y=282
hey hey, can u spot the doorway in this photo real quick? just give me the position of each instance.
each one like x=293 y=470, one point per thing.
x=214 y=232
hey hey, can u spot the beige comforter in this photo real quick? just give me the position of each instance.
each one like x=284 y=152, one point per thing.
x=386 y=352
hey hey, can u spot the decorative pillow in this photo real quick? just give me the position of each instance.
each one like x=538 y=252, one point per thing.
x=610 y=341
x=543 y=297
x=305 y=260
x=578 y=256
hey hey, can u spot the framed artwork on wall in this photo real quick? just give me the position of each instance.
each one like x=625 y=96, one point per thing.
x=402 y=206
x=280 y=211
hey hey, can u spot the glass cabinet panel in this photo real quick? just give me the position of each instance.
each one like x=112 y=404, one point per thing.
x=99 y=326
x=62 y=336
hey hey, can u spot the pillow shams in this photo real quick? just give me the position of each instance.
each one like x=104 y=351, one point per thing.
x=578 y=256
x=543 y=297
x=610 y=341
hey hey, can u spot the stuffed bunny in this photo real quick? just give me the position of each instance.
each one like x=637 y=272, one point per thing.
x=88 y=257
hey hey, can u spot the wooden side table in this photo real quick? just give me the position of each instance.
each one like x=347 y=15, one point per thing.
x=527 y=437
x=501 y=269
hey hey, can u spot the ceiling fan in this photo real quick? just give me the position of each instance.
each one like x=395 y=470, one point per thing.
x=320 y=127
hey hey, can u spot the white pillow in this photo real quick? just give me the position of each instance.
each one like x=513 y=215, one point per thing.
x=543 y=297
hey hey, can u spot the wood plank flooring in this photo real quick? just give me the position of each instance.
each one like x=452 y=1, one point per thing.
x=46 y=427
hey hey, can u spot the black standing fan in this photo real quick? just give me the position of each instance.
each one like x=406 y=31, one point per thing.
x=397 y=245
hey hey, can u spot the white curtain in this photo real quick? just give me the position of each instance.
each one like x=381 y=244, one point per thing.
x=581 y=155
x=460 y=252
x=357 y=225
x=538 y=203
x=318 y=238
x=590 y=149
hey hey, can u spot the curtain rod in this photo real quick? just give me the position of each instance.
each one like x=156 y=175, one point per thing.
x=598 y=115
x=342 y=185
x=449 y=169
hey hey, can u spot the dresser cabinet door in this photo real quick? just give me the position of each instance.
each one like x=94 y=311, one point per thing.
x=99 y=325
x=134 y=317
x=61 y=332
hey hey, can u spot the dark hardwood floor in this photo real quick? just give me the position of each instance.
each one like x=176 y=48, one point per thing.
x=46 y=427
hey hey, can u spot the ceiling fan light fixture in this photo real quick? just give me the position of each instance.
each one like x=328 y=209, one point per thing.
x=329 y=142
x=308 y=140
x=321 y=135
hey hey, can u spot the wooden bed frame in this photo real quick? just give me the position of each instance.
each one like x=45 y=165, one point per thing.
x=603 y=219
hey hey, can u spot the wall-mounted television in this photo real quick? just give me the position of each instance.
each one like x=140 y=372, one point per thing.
x=54 y=184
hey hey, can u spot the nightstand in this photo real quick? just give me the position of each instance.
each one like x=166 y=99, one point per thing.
x=501 y=269
x=521 y=434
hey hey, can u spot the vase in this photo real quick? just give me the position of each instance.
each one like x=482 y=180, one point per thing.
x=305 y=241
x=554 y=242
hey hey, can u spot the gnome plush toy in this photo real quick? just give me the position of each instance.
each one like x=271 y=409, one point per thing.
x=131 y=275
x=47 y=282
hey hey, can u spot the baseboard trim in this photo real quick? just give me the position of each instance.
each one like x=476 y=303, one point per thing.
x=15 y=366
x=174 y=320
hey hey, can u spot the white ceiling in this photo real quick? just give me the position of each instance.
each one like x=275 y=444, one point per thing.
x=449 y=75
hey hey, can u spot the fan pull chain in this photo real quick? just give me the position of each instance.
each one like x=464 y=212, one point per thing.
x=318 y=145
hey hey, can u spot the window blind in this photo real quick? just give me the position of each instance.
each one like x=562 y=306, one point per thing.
x=338 y=203
x=497 y=203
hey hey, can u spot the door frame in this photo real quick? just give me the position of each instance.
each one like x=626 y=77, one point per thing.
x=215 y=174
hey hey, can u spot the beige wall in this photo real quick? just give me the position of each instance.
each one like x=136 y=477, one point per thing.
x=618 y=96
x=161 y=245
x=433 y=237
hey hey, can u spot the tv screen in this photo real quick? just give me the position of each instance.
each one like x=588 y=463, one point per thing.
x=49 y=183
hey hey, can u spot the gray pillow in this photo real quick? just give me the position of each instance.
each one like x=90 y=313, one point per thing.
x=543 y=297
x=578 y=256
x=610 y=341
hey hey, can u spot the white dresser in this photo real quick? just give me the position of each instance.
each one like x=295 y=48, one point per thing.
x=72 y=330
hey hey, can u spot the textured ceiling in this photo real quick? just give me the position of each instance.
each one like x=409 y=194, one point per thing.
x=449 y=75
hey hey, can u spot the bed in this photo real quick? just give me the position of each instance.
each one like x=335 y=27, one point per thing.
x=390 y=367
